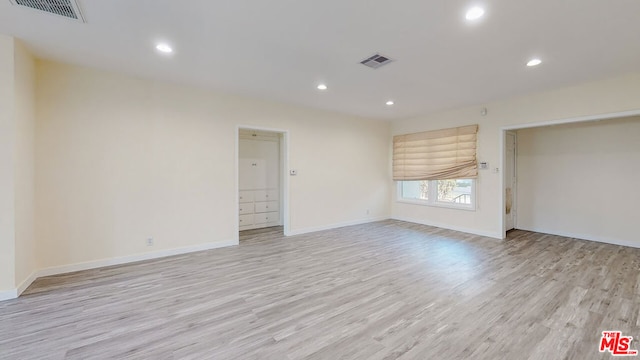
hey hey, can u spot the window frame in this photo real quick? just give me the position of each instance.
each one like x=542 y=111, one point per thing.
x=433 y=197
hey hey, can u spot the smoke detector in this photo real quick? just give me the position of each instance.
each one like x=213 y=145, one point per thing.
x=376 y=61
x=66 y=8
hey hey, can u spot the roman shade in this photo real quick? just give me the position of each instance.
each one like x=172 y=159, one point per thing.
x=436 y=155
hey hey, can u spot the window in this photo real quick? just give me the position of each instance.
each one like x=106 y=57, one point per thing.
x=437 y=168
x=455 y=193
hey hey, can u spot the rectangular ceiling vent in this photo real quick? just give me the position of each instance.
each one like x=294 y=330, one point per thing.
x=66 y=8
x=376 y=61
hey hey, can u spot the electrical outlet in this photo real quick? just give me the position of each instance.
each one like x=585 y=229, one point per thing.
x=150 y=241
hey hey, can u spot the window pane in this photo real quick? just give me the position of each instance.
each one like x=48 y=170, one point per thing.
x=455 y=191
x=415 y=190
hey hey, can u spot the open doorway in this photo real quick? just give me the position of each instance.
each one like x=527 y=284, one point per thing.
x=574 y=177
x=262 y=184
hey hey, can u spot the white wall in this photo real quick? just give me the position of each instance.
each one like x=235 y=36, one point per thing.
x=17 y=215
x=601 y=97
x=120 y=159
x=7 y=141
x=581 y=180
x=24 y=160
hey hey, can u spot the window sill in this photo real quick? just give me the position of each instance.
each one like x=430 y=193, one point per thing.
x=438 y=205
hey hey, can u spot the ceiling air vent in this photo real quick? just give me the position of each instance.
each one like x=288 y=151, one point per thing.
x=66 y=8
x=376 y=61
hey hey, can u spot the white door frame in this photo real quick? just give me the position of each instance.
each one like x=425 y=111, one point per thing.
x=503 y=154
x=514 y=188
x=284 y=175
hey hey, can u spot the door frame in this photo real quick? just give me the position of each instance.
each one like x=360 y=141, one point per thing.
x=514 y=189
x=502 y=137
x=284 y=175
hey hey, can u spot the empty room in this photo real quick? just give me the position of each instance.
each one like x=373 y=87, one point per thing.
x=319 y=180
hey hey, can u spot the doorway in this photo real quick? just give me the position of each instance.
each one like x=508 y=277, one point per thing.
x=262 y=184
x=505 y=181
x=510 y=181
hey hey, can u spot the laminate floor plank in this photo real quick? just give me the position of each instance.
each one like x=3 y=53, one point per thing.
x=385 y=290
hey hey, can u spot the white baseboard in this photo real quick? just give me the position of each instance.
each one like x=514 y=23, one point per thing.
x=57 y=270
x=449 y=227
x=8 y=295
x=25 y=284
x=587 y=237
x=335 y=226
x=14 y=293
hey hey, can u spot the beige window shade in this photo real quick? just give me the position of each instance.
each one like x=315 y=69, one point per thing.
x=436 y=155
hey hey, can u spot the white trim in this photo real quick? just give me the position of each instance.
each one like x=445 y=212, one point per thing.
x=26 y=282
x=502 y=203
x=588 y=237
x=449 y=227
x=335 y=226
x=514 y=190
x=286 y=219
x=14 y=293
x=236 y=184
x=585 y=118
x=8 y=295
x=56 y=270
x=514 y=204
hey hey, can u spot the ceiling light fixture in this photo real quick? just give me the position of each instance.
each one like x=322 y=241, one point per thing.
x=390 y=102
x=164 y=48
x=474 y=13
x=534 y=62
x=322 y=87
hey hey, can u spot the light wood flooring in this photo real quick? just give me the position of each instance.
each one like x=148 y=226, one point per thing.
x=386 y=290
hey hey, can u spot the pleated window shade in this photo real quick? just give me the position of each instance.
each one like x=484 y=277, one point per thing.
x=436 y=155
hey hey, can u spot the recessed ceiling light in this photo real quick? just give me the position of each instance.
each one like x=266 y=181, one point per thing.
x=474 y=13
x=322 y=87
x=164 y=48
x=390 y=102
x=534 y=62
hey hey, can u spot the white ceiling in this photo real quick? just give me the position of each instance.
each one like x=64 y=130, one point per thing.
x=281 y=49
